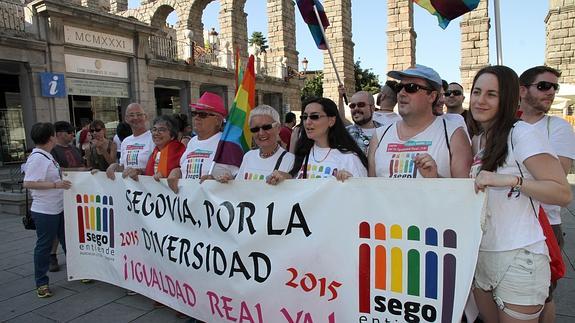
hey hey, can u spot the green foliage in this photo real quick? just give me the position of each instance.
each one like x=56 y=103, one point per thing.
x=313 y=87
x=365 y=79
x=260 y=40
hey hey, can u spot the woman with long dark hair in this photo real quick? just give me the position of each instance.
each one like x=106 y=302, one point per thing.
x=515 y=165
x=324 y=148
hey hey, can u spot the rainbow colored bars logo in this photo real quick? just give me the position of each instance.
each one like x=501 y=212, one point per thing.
x=95 y=219
x=405 y=269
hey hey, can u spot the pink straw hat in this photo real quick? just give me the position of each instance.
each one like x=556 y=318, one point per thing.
x=210 y=102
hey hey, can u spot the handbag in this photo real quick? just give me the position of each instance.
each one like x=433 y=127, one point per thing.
x=27 y=220
x=556 y=265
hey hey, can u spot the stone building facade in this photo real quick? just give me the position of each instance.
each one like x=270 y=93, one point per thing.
x=80 y=60
x=560 y=38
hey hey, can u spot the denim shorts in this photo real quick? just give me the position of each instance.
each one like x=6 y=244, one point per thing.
x=517 y=276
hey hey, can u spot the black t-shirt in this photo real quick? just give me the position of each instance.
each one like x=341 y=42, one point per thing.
x=68 y=156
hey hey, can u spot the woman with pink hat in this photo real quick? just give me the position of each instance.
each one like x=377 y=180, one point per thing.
x=208 y=116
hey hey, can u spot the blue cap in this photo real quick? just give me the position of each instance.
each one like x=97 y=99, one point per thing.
x=419 y=71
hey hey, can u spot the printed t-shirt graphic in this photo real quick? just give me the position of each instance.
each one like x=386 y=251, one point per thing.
x=198 y=157
x=256 y=168
x=137 y=150
x=402 y=162
x=330 y=161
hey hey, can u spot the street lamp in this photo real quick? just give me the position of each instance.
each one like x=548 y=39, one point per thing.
x=304 y=63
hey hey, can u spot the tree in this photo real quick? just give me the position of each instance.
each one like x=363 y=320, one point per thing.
x=365 y=79
x=260 y=40
x=313 y=87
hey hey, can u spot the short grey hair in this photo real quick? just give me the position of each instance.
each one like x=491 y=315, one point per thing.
x=265 y=110
x=170 y=122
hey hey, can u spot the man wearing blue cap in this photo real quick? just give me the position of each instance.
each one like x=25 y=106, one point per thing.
x=421 y=144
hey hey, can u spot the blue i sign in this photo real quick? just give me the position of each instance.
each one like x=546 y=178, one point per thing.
x=53 y=85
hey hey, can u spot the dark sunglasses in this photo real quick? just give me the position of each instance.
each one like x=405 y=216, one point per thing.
x=201 y=115
x=545 y=86
x=357 y=105
x=96 y=130
x=314 y=117
x=265 y=127
x=454 y=92
x=411 y=87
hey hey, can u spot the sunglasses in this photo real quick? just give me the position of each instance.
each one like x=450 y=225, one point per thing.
x=314 y=117
x=96 y=130
x=357 y=105
x=454 y=92
x=545 y=86
x=265 y=127
x=411 y=87
x=202 y=115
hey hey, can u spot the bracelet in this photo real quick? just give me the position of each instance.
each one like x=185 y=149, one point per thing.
x=516 y=188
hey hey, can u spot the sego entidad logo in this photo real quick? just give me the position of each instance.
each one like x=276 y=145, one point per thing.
x=405 y=274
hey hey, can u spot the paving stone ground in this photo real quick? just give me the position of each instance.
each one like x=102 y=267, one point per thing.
x=102 y=302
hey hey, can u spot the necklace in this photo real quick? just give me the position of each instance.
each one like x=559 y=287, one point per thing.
x=266 y=155
x=324 y=158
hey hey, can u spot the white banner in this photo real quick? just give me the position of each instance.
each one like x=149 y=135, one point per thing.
x=305 y=251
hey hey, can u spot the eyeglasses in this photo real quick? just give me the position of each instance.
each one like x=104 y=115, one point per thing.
x=96 y=129
x=159 y=129
x=454 y=92
x=135 y=115
x=545 y=86
x=313 y=117
x=411 y=87
x=202 y=115
x=265 y=127
x=357 y=105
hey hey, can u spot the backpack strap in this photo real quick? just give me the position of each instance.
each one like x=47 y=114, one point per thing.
x=279 y=162
x=37 y=152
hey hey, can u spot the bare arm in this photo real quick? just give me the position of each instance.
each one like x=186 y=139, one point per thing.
x=371 y=156
x=341 y=105
x=461 y=155
x=46 y=185
x=566 y=164
x=110 y=156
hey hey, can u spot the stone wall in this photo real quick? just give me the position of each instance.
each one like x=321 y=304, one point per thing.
x=560 y=38
x=400 y=35
x=474 y=43
x=281 y=32
x=339 y=38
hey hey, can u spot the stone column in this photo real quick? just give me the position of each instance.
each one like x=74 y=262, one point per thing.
x=118 y=5
x=474 y=43
x=233 y=24
x=339 y=39
x=281 y=32
x=560 y=39
x=400 y=35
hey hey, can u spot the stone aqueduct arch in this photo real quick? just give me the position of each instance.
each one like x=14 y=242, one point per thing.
x=401 y=35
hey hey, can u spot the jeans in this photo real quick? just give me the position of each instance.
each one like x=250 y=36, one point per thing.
x=48 y=227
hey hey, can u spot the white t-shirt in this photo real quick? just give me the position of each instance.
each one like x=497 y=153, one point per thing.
x=198 y=157
x=562 y=140
x=38 y=168
x=136 y=151
x=386 y=118
x=325 y=162
x=118 y=143
x=457 y=119
x=511 y=222
x=394 y=158
x=256 y=168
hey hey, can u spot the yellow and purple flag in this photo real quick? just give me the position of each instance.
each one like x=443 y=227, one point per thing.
x=447 y=10
x=310 y=18
x=237 y=138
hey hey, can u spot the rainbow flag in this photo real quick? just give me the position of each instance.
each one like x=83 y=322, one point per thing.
x=237 y=138
x=447 y=10
x=308 y=14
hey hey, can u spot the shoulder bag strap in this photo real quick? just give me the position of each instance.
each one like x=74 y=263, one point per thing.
x=383 y=135
x=521 y=172
x=279 y=162
x=446 y=138
x=305 y=166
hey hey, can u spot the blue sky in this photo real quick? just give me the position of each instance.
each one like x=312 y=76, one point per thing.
x=522 y=28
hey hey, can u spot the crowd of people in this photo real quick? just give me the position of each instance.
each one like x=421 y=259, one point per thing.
x=505 y=141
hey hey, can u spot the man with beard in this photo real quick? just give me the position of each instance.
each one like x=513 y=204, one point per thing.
x=538 y=86
x=362 y=106
x=454 y=99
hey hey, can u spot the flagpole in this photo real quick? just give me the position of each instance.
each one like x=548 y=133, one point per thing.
x=329 y=50
x=498 y=33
